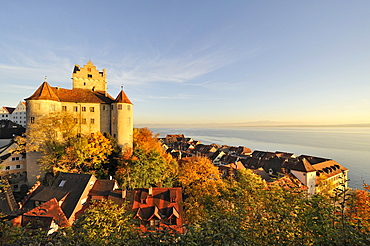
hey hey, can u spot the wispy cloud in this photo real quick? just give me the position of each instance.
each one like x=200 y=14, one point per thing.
x=174 y=97
x=179 y=69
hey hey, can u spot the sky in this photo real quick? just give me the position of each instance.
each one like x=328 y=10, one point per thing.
x=198 y=62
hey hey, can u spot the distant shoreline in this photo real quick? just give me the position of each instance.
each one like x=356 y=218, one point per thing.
x=365 y=125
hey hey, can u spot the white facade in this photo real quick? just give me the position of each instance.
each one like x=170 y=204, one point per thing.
x=19 y=114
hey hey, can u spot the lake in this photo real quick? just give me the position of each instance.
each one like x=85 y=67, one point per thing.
x=348 y=146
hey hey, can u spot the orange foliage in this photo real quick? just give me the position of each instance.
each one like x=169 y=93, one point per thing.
x=360 y=210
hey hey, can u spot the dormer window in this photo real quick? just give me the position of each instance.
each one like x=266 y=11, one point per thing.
x=89 y=75
x=62 y=183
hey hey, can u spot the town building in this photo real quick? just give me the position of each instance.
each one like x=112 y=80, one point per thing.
x=156 y=207
x=5 y=113
x=71 y=191
x=19 y=114
x=13 y=167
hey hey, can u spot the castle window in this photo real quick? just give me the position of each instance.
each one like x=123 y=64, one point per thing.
x=92 y=121
x=18 y=166
x=15 y=158
x=75 y=108
x=104 y=108
x=7 y=168
x=64 y=108
x=83 y=109
x=119 y=106
x=32 y=120
x=89 y=75
x=92 y=109
x=52 y=107
x=84 y=121
x=128 y=107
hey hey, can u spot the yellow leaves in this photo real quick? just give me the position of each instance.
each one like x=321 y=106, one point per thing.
x=202 y=184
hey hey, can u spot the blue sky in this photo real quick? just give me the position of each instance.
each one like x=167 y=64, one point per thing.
x=198 y=62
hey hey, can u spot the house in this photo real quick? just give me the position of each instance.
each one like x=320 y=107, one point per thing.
x=48 y=216
x=102 y=189
x=238 y=151
x=71 y=190
x=93 y=108
x=171 y=138
x=5 y=113
x=156 y=207
x=204 y=150
x=9 y=129
x=216 y=157
x=309 y=169
x=13 y=167
x=230 y=169
x=19 y=114
x=306 y=169
x=263 y=155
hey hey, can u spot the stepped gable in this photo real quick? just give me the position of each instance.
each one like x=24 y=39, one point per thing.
x=122 y=98
x=44 y=92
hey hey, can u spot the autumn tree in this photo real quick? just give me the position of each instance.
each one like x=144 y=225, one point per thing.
x=201 y=182
x=359 y=209
x=148 y=164
x=63 y=149
x=105 y=223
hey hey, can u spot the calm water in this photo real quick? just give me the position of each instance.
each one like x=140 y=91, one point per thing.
x=348 y=146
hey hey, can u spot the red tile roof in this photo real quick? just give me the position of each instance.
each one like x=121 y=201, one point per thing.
x=157 y=203
x=49 y=209
x=122 y=98
x=46 y=92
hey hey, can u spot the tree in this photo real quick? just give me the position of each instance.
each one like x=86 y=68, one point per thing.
x=148 y=164
x=201 y=182
x=105 y=223
x=63 y=149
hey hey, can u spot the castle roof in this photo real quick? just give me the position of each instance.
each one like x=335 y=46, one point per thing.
x=122 y=98
x=46 y=92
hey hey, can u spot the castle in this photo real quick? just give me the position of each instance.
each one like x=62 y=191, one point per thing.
x=94 y=109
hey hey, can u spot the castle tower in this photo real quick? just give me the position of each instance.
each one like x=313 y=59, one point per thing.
x=88 y=77
x=122 y=121
x=42 y=102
